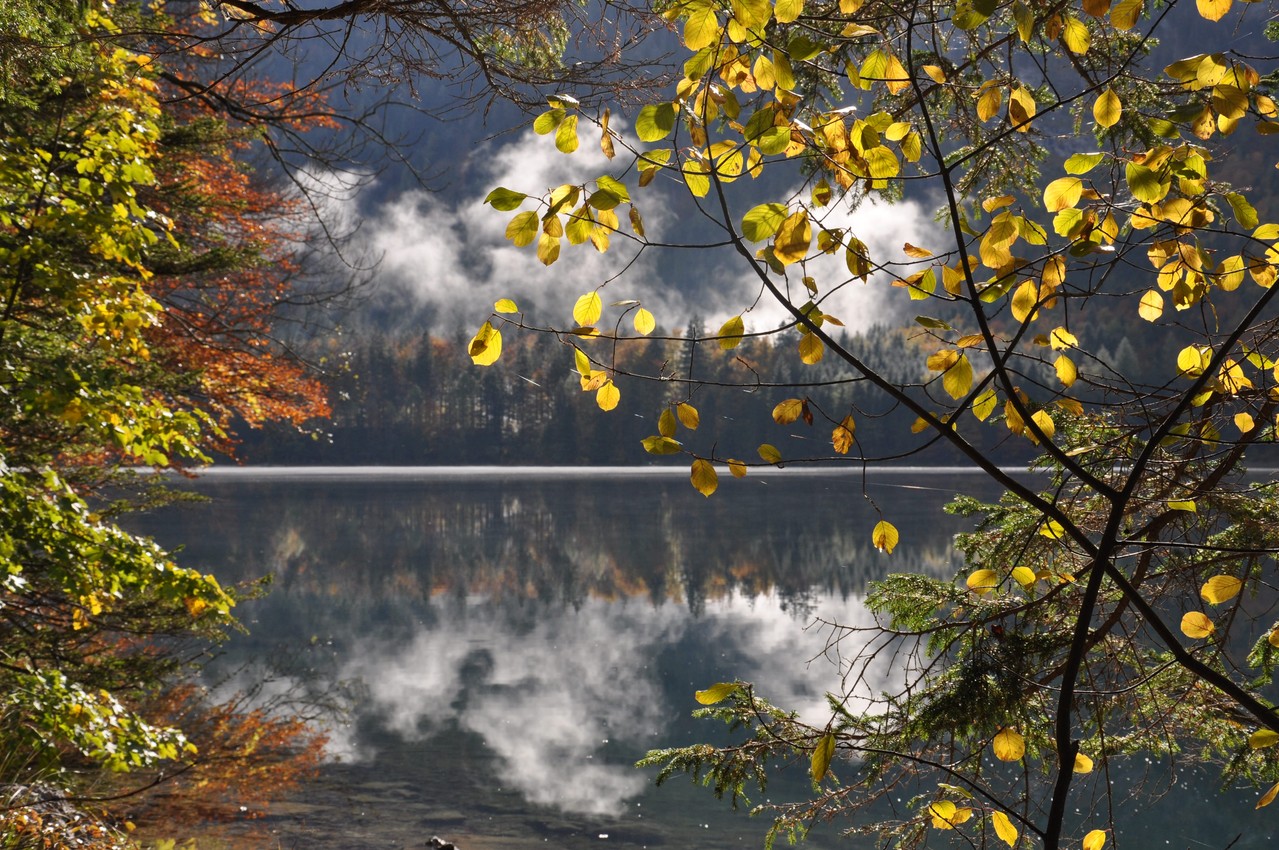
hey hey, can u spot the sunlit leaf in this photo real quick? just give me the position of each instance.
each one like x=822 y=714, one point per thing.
x=1196 y=625
x=1009 y=745
x=1083 y=764
x=588 y=309
x=1108 y=109
x=958 y=379
x=1269 y=796
x=737 y=468
x=842 y=437
x=1263 y=738
x=1095 y=840
x=661 y=446
x=504 y=199
x=705 y=479
x=655 y=122
x=982 y=581
x=523 y=228
x=811 y=349
x=486 y=346
x=884 y=537
x=505 y=305
x=822 y=754
x=1004 y=828
x=1024 y=576
x=788 y=411
x=793 y=238
x=1214 y=10
x=608 y=396
x=645 y=324
x=1082 y=163
x=666 y=423
x=1066 y=371
x=942 y=812
x=1220 y=589
x=716 y=693
x=985 y=404
x=566 y=135
x=1183 y=505
x=769 y=453
x=730 y=333
x=688 y=415
x=1151 y=306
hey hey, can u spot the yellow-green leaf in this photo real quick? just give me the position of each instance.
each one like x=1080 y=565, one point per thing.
x=1196 y=625
x=811 y=349
x=1024 y=576
x=786 y=11
x=1263 y=738
x=985 y=404
x=701 y=29
x=566 y=135
x=1062 y=193
x=793 y=238
x=822 y=754
x=1108 y=109
x=661 y=446
x=704 y=478
x=523 y=228
x=982 y=581
x=730 y=334
x=1220 y=589
x=588 y=309
x=1075 y=36
x=505 y=305
x=505 y=199
x=1009 y=745
x=666 y=423
x=884 y=536
x=1183 y=505
x=715 y=693
x=769 y=453
x=1004 y=828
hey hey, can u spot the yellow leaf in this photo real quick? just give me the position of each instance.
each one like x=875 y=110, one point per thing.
x=666 y=423
x=985 y=404
x=1004 y=828
x=523 y=229
x=1083 y=764
x=982 y=582
x=1273 y=637
x=943 y=813
x=688 y=415
x=811 y=349
x=769 y=453
x=958 y=379
x=916 y=252
x=566 y=135
x=730 y=335
x=607 y=396
x=788 y=411
x=1025 y=301
x=785 y=12
x=1152 y=305
x=1066 y=371
x=1009 y=745
x=1076 y=36
x=1024 y=576
x=715 y=693
x=1021 y=109
x=1095 y=840
x=1063 y=193
x=588 y=309
x=988 y=103
x=704 y=478
x=822 y=754
x=1219 y=589
x=1045 y=422
x=505 y=305
x=935 y=73
x=1263 y=738
x=644 y=322
x=1196 y=625
x=737 y=468
x=486 y=346
x=793 y=238
x=1244 y=422
x=1269 y=796
x=1060 y=339
x=1108 y=109
x=884 y=537
x=1214 y=10
x=842 y=437
x=701 y=29
x=895 y=76
x=548 y=248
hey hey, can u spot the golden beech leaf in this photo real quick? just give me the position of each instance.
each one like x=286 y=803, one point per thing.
x=1095 y=840
x=1244 y=422
x=1083 y=764
x=985 y=404
x=737 y=468
x=523 y=229
x=1004 y=828
x=1021 y=109
x=942 y=812
x=1024 y=576
x=666 y=423
x=1273 y=637
x=982 y=581
x=788 y=411
x=769 y=453
x=1269 y=796
x=793 y=238
x=1214 y=10
x=1009 y=745
x=608 y=396
x=1196 y=625
x=1045 y=422
x=730 y=335
x=645 y=324
x=935 y=73
x=1108 y=109
x=1066 y=371
x=688 y=415
x=486 y=346
x=1263 y=738
x=811 y=349
x=1025 y=303
x=548 y=248
x=822 y=754
x=958 y=379
x=704 y=478
x=1063 y=193
x=916 y=252
x=588 y=309
x=842 y=437
x=1060 y=339
x=505 y=305
x=715 y=693
x=884 y=537
x=1219 y=589
x=1152 y=305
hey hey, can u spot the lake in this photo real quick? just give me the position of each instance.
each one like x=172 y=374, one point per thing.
x=511 y=641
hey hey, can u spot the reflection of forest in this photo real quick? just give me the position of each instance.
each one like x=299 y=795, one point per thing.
x=564 y=539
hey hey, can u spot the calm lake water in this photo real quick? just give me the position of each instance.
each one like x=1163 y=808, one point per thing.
x=512 y=641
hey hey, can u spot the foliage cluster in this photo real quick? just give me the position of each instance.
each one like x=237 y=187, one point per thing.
x=1120 y=608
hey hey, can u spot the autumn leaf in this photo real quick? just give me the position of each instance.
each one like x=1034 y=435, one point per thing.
x=704 y=478
x=982 y=581
x=788 y=411
x=486 y=346
x=1196 y=625
x=715 y=693
x=1083 y=764
x=645 y=324
x=1219 y=589
x=588 y=309
x=1009 y=745
x=1004 y=828
x=688 y=415
x=608 y=396
x=884 y=537
x=1095 y=840
x=822 y=754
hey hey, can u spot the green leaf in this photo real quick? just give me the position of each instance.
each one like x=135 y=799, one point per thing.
x=655 y=122
x=762 y=222
x=505 y=199
x=1082 y=163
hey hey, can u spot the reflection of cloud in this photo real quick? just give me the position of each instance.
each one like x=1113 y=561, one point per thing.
x=547 y=696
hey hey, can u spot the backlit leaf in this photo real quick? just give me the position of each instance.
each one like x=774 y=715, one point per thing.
x=1004 y=828
x=1075 y=36
x=985 y=404
x=1196 y=625
x=1108 y=109
x=730 y=334
x=1151 y=306
x=1009 y=745
x=1082 y=163
x=769 y=453
x=1083 y=764
x=1062 y=193
x=666 y=423
x=1095 y=840
x=884 y=537
x=715 y=693
x=982 y=581
x=505 y=305
x=688 y=415
x=811 y=349
x=842 y=437
x=566 y=135
x=705 y=479
x=1214 y=10
x=1263 y=738
x=793 y=238
x=486 y=346
x=788 y=411
x=762 y=221
x=822 y=754
x=958 y=379
x=645 y=324
x=1021 y=109
x=655 y=122
x=1269 y=796
x=1220 y=589
x=608 y=396
x=523 y=228
x=1025 y=301
x=1184 y=505
x=661 y=446
x=588 y=309
x=504 y=199
x=737 y=468
x=943 y=813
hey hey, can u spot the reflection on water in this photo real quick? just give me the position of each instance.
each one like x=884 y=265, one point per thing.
x=518 y=641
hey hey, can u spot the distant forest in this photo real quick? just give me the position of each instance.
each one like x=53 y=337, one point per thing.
x=403 y=398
